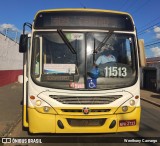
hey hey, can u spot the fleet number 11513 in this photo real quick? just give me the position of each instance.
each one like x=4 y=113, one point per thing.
x=115 y=71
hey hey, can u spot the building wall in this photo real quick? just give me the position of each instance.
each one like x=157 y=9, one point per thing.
x=141 y=77
x=158 y=78
x=11 y=61
x=149 y=66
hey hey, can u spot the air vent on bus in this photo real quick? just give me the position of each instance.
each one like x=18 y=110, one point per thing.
x=85 y=99
x=80 y=110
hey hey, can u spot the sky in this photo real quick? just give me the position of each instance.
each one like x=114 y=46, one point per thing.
x=146 y=15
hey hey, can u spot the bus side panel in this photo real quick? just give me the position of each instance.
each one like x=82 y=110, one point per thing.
x=25 y=90
x=25 y=123
x=41 y=123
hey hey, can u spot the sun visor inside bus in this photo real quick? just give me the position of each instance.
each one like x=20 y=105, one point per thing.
x=83 y=20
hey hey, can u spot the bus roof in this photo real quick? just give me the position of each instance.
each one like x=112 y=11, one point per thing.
x=94 y=18
x=81 y=9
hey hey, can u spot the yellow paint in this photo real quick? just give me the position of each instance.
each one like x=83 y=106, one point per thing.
x=41 y=123
x=25 y=123
x=82 y=10
x=47 y=123
x=130 y=116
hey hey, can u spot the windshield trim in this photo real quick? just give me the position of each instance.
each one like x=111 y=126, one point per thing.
x=83 y=30
x=116 y=32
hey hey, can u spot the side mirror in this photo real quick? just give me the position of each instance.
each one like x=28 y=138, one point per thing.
x=142 y=56
x=23 y=45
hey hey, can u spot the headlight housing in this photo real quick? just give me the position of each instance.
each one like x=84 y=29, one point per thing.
x=128 y=106
x=41 y=105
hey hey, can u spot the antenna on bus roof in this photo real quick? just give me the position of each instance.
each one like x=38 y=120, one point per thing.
x=83 y=5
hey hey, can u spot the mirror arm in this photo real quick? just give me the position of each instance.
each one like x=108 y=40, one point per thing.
x=26 y=24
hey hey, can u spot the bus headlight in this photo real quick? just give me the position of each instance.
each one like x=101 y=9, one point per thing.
x=46 y=108
x=124 y=108
x=41 y=106
x=132 y=102
x=129 y=105
x=38 y=102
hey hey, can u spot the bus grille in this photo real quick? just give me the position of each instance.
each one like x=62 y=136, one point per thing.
x=85 y=99
x=86 y=122
x=80 y=110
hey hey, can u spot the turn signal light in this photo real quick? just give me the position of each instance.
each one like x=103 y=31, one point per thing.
x=32 y=97
x=136 y=97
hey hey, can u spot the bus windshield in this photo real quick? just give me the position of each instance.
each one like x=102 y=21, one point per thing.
x=83 y=60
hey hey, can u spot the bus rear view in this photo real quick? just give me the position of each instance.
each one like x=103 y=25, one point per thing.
x=81 y=72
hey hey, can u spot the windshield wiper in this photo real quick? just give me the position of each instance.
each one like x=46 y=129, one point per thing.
x=101 y=44
x=64 y=38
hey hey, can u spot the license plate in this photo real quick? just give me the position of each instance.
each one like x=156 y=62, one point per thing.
x=123 y=123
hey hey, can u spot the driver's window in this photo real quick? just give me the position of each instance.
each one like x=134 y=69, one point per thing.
x=37 y=56
x=128 y=49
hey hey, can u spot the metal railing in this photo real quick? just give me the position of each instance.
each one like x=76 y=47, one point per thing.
x=14 y=35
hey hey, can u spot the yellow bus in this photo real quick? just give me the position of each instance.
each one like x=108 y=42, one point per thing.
x=81 y=72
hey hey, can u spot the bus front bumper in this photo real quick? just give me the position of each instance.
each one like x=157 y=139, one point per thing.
x=49 y=123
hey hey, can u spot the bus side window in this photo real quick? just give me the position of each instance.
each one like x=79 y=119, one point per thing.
x=37 y=57
x=128 y=51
